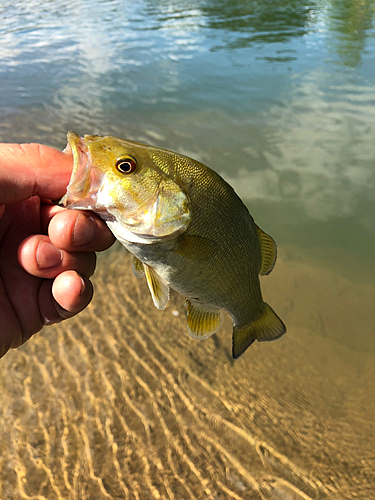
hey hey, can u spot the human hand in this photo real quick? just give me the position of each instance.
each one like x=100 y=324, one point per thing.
x=46 y=252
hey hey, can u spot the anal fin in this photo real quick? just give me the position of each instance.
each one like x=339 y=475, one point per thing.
x=268 y=250
x=158 y=288
x=268 y=326
x=202 y=321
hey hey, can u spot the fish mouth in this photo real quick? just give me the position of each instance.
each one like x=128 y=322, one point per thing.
x=85 y=180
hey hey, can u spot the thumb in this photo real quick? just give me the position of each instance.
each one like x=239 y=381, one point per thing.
x=32 y=169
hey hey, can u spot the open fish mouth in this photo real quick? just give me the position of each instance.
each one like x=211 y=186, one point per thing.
x=85 y=180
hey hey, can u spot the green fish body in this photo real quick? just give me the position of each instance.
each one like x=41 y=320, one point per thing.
x=186 y=228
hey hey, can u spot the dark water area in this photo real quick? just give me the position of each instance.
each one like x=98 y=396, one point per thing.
x=279 y=98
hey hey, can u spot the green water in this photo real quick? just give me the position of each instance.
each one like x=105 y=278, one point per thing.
x=276 y=96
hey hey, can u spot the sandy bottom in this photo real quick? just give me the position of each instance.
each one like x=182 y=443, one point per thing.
x=120 y=403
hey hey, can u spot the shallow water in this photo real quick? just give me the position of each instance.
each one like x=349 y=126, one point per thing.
x=279 y=98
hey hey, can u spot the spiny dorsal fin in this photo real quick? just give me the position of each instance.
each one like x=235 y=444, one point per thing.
x=202 y=321
x=268 y=326
x=159 y=290
x=137 y=267
x=268 y=250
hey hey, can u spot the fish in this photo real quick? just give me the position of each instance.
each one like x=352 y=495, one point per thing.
x=186 y=229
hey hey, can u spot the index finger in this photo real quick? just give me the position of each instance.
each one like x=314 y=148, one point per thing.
x=33 y=169
x=76 y=230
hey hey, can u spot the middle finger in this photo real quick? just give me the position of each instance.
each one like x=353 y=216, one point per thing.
x=39 y=257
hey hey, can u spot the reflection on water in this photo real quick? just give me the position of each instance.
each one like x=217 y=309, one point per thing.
x=262 y=23
x=278 y=97
x=351 y=21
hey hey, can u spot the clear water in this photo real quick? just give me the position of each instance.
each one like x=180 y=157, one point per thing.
x=279 y=98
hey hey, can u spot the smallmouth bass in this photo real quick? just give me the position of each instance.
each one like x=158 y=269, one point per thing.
x=186 y=228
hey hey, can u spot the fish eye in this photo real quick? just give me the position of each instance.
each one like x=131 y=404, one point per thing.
x=126 y=165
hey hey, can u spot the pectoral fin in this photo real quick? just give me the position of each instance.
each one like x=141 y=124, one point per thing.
x=202 y=321
x=266 y=327
x=268 y=250
x=159 y=290
x=199 y=246
x=137 y=267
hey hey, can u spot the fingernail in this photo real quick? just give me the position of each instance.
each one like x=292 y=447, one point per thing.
x=84 y=231
x=83 y=286
x=47 y=255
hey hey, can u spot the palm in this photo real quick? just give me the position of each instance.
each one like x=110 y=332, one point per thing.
x=19 y=306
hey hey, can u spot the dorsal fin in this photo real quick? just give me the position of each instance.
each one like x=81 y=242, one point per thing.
x=159 y=290
x=202 y=321
x=268 y=250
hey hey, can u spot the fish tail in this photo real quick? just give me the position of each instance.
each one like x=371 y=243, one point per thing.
x=268 y=326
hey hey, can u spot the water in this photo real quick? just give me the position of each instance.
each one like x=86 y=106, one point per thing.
x=279 y=98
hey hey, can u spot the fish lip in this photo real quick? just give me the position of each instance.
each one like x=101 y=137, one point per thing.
x=78 y=147
x=76 y=144
x=81 y=190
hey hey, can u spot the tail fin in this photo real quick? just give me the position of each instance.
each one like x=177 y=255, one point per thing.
x=266 y=327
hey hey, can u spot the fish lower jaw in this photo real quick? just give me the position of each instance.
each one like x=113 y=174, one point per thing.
x=124 y=235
